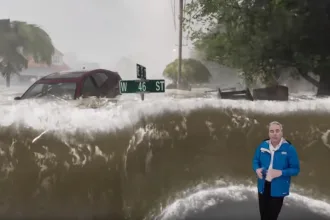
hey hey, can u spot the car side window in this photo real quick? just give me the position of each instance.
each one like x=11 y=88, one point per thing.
x=89 y=88
x=35 y=90
x=100 y=79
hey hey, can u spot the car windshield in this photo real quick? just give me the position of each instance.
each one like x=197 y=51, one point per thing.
x=60 y=90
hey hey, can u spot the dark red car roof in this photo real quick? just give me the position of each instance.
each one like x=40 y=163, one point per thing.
x=66 y=75
x=71 y=76
x=75 y=77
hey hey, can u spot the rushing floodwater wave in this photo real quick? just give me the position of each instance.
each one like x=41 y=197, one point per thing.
x=163 y=158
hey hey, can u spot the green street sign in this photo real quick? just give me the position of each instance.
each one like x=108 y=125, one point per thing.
x=145 y=86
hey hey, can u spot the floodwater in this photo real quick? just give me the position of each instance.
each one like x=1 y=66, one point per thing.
x=171 y=156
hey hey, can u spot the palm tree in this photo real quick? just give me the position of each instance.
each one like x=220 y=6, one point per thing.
x=17 y=41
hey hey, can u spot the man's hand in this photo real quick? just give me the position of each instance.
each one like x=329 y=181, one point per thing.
x=275 y=173
x=271 y=174
x=259 y=173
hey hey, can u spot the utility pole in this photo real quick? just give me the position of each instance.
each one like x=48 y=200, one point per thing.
x=180 y=41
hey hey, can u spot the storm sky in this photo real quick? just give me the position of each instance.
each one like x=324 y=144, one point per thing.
x=104 y=31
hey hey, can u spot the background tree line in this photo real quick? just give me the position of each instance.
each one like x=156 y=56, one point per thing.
x=261 y=37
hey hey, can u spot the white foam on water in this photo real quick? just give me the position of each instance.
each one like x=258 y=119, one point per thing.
x=71 y=115
x=8 y=94
x=206 y=198
x=68 y=116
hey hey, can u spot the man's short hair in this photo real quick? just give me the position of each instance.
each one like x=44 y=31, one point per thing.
x=275 y=123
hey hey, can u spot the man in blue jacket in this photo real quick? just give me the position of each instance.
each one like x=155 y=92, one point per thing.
x=275 y=161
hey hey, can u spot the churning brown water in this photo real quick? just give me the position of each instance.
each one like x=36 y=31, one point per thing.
x=163 y=158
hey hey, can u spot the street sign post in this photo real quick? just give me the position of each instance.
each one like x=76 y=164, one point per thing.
x=142 y=86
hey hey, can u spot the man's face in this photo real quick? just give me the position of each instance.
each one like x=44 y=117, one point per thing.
x=275 y=133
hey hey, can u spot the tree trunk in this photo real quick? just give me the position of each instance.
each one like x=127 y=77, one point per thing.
x=324 y=84
x=7 y=80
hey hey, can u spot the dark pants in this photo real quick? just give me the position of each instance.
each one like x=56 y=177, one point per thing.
x=269 y=207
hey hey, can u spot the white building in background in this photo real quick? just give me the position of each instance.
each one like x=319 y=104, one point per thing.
x=57 y=58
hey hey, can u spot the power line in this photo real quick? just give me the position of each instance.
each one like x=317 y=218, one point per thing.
x=172 y=3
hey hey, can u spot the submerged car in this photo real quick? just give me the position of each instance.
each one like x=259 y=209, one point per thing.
x=75 y=84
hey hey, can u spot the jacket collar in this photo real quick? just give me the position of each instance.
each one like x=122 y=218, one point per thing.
x=267 y=142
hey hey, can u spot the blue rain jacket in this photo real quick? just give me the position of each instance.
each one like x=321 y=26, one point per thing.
x=285 y=159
